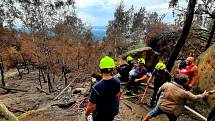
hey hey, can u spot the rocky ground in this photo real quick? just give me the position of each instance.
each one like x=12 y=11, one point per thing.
x=35 y=105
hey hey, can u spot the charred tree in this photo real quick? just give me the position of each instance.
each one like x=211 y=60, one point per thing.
x=44 y=78
x=65 y=70
x=40 y=78
x=66 y=81
x=2 y=71
x=186 y=28
x=19 y=71
x=49 y=83
x=53 y=78
x=25 y=63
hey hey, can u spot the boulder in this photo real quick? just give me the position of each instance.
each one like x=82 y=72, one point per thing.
x=80 y=90
x=206 y=70
x=151 y=57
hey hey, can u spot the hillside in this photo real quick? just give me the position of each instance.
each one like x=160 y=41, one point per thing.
x=99 y=32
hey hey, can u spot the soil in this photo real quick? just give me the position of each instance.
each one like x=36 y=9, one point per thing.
x=38 y=106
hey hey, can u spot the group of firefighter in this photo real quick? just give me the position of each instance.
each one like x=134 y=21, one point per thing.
x=169 y=96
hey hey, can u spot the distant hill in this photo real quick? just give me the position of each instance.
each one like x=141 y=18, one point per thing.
x=99 y=32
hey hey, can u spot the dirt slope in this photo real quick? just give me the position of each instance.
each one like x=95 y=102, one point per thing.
x=38 y=107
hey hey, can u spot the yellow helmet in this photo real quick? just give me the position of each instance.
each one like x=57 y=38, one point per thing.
x=160 y=66
x=129 y=58
x=141 y=61
x=106 y=63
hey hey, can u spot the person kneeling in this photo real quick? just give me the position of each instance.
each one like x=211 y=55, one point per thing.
x=137 y=75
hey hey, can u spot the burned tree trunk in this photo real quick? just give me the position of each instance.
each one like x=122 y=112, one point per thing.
x=20 y=73
x=211 y=36
x=25 y=63
x=186 y=28
x=44 y=78
x=42 y=67
x=33 y=65
x=66 y=82
x=2 y=71
x=65 y=70
x=49 y=83
x=53 y=79
x=40 y=79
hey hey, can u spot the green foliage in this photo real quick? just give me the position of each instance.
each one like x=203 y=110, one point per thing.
x=140 y=45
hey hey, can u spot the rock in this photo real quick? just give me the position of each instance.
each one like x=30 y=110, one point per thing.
x=206 y=70
x=5 y=114
x=80 y=90
x=165 y=42
x=151 y=57
x=64 y=105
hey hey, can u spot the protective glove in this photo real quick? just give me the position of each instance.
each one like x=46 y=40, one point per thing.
x=206 y=93
x=136 y=80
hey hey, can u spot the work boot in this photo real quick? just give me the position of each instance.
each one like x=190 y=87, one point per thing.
x=135 y=90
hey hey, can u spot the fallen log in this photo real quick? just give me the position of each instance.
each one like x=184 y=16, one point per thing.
x=66 y=87
x=6 y=115
x=42 y=91
x=14 y=89
x=15 y=109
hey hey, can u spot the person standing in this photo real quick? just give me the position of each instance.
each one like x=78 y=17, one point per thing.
x=182 y=68
x=183 y=71
x=172 y=98
x=105 y=94
x=129 y=60
x=124 y=69
x=159 y=76
x=193 y=71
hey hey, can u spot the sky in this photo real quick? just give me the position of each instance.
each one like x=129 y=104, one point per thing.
x=99 y=12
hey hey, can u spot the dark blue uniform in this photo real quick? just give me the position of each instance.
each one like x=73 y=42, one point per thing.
x=104 y=95
x=124 y=71
x=160 y=77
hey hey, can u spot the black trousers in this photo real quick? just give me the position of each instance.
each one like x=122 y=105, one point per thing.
x=211 y=116
x=132 y=83
x=171 y=117
x=124 y=78
x=102 y=117
x=153 y=98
